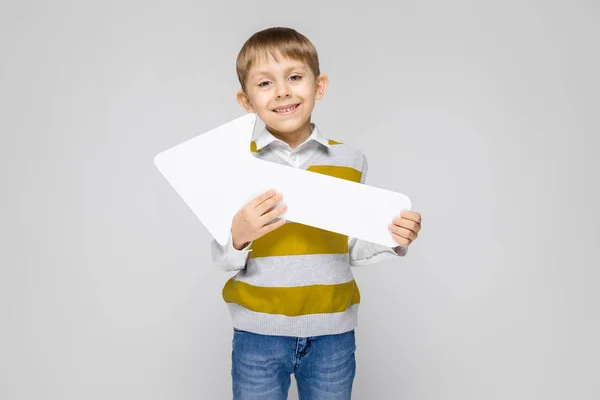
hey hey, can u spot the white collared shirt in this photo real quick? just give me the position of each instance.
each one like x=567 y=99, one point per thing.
x=360 y=251
x=300 y=154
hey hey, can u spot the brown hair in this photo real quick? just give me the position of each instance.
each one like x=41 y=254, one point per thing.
x=273 y=41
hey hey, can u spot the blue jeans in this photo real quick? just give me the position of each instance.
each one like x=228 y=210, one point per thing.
x=324 y=366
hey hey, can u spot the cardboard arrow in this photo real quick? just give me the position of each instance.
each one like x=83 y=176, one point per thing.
x=216 y=175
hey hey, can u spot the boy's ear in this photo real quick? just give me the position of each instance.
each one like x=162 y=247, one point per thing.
x=322 y=82
x=244 y=101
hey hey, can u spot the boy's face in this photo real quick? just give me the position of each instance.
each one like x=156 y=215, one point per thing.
x=271 y=85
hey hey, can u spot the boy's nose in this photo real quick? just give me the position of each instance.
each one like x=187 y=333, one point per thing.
x=283 y=91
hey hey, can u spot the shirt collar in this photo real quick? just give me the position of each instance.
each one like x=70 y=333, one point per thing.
x=263 y=137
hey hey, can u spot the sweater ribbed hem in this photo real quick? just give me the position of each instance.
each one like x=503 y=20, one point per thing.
x=301 y=326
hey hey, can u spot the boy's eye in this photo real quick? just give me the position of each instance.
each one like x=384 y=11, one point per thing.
x=265 y=83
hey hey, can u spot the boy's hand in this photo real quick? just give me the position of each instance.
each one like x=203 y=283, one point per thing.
x=250 y=222
x=406 y=227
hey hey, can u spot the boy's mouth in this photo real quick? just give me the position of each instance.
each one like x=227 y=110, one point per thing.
x=287 y=109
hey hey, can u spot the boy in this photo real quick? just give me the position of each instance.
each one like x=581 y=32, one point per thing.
x=294 y=300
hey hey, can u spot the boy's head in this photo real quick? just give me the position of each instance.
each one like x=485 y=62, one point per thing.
x=279 y=67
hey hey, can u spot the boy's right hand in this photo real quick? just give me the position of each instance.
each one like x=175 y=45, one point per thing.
x=250 y=222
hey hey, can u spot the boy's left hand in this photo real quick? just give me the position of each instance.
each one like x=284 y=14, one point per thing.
x=406 y=227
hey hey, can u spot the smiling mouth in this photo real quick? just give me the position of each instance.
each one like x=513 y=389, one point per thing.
x=286 y=110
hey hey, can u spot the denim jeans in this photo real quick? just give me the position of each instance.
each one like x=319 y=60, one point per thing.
x=324 y=366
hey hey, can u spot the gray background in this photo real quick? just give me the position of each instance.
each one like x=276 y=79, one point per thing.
x=483 y=113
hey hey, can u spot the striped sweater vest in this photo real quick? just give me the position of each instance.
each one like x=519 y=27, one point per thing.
x=298 y=280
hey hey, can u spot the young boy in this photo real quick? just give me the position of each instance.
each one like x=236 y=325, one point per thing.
x=294 y=300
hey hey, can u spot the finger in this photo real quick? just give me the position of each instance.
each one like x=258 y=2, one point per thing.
x=268 y=204
x=273 y=213
x=400 y=240
x=271 y=227
x=407 y=223
x=259 y=199
x=402 y=232
x=411 y=215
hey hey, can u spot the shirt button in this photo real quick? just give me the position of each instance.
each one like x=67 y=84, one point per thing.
x=293 y=158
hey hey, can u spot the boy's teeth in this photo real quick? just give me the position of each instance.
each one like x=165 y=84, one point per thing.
x=285 y=109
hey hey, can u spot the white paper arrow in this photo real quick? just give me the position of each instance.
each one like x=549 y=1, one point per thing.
x=216 y=175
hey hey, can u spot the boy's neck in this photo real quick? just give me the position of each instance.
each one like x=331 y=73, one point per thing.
x=294 y=138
